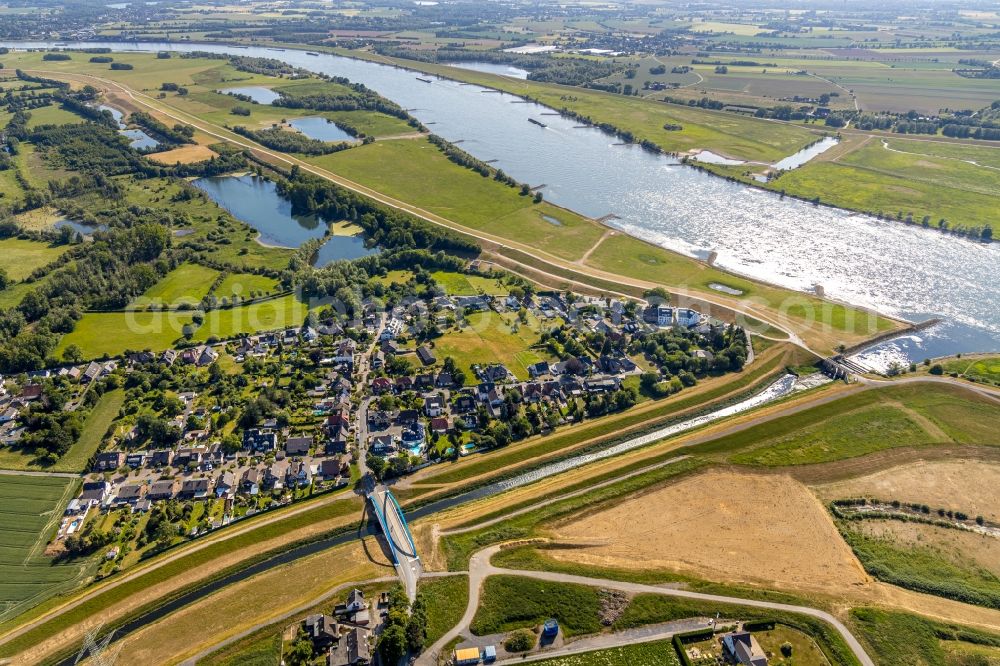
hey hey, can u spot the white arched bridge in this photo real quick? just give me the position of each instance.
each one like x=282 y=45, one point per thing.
x=402 y=548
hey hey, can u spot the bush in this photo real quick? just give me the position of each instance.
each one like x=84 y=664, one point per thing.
x=121 y=65
x=786 y=649
x=520 y=641
x=936 y=369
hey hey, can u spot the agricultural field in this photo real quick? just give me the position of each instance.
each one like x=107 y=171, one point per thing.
x=268 y=315
x=19 y=258
x=459 y=284
x=245 y=285
x=968 y=485
x=111 y=333
x=184 y=155
x=899 y=638
x=863 y=423
x=32 y=507
x=748 y=529
x=185 y=285
x=656 y=653
x=492 y=338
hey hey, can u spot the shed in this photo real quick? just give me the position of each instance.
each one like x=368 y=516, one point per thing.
x=551 y=627
x=466 y=656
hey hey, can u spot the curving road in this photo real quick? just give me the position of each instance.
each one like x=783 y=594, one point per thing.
x=480 y=569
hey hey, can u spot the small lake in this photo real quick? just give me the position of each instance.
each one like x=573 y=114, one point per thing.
x=491 y=68
x=708 y=157
x=118 y=115
x=259 y=94
x=139 y=139
x=85 y=229
x=256 y=201
x=320 y=129
x=806 y=154
x=340 y=248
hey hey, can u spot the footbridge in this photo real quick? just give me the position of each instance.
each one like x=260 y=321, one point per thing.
x=402 y=548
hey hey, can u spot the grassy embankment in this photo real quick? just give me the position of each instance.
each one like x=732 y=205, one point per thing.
x=895 y=638
x=864 y=423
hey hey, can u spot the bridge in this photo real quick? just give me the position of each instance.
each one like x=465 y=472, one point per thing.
x=402 y=549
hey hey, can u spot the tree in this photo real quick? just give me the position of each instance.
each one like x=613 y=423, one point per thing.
x=72 y=354
x=392 y=644
x=301 y=652
x=936 y=369
x=377 y=465
x=5 y=280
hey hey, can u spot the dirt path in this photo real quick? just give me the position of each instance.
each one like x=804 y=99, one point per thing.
x=586 y=255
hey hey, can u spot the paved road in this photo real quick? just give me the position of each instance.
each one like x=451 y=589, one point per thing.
x=408 y=564
x=63 y=475
x=480 y=568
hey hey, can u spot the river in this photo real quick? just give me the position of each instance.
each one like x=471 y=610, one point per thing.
x=899 y=270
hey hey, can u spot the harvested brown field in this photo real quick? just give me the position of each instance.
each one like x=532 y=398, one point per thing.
x=185 y=155
x=971 y=486
x=765 y=530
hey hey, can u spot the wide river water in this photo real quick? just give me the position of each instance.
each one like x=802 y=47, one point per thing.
x=899 y=270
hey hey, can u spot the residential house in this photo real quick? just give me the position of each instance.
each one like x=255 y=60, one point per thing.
x=352 y=650
x=130 y=493
x=300 y=474
x=250 y=482
x=136 y=459
x=92 y=372
x=298 y=446
x=538 y=369
x=195 y=488
x=276 y=474
x=742 y=648
x=434 y=405
x=31 y=392
x=161 y=490
x=260 y=440
x=425 y=355
x=168 y=357
x=440 y=425
x=463 y=404
x=381 y=385
x=95 y=493
x=10 y=414
x=382 y=445
x=407 y=417
x=225 y=485
x=109 y=460
x=322 y=630
x=160 y=458
x=332 y=468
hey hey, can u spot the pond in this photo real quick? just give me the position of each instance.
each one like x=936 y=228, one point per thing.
x=118 y=115
x=85 y=229
x=708 y=157
x=491 y=68
x=139 y=139
x=806 y=154
x=259 y=94
x=256 y=201
x=320 y=129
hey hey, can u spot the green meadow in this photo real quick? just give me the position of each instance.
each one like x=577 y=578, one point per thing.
x=186 y=284
x=21 y=257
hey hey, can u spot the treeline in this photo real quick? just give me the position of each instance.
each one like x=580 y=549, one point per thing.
x=291 y=142
x=343 y=101
x=266 y=66
x=566 y=71
x=462 y=158
x=176 y=135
